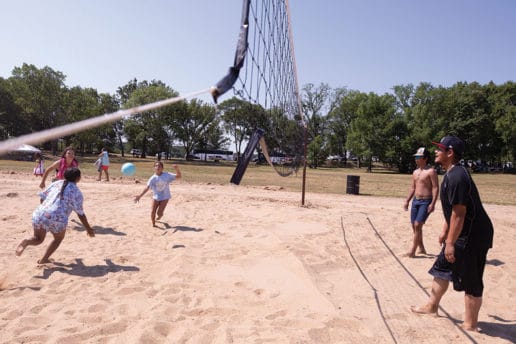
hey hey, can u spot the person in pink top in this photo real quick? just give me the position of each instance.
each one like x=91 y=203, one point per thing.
x=67 y=160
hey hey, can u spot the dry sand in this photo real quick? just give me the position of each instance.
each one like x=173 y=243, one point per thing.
x=236 y=264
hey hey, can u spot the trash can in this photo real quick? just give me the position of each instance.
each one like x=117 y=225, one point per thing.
x=353 y=185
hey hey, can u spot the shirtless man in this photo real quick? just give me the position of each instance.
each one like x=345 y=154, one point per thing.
x=425 y=190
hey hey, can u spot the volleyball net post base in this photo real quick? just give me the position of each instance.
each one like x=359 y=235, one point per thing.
x=246 y=157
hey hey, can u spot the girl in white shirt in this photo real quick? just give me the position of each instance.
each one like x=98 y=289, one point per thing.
x=160 y=185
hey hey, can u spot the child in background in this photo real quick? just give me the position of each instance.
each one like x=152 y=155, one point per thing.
x=104 y=164
x=57 y=203
x=160 y=185
x=39 y=169
x=67 y=160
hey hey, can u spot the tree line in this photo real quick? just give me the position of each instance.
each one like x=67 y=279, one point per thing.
x=340 y=122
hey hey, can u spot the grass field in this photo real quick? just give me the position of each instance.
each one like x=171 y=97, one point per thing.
x=494 y=188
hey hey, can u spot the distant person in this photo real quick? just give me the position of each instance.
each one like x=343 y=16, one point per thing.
x=67 y=160
x=424 y=189
x=39 y=169
x=57 y=203
x=104 y=164
x=159 y=183
x=466 y=236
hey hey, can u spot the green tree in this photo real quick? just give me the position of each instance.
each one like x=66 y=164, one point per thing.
x=150 y=130
x=503 y=101
x=191 y=124
x=340 y=120
x=12 y=123
x=471 y=119
x=80 y=104
x=39 y=94
x=112 y=134
x=241 y=118
x=316 y=152
x=317 y=102
x=371 y=131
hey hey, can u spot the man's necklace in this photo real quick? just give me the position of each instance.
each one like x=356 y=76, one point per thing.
x=419 y=172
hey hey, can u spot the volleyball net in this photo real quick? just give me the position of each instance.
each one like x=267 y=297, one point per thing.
x=263 y=74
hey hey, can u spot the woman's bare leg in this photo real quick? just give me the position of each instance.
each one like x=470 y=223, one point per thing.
x=53 y=246
x=161 y=208
x=155 y=205
x=36 y=239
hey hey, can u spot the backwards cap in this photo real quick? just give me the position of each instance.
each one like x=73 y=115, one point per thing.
x=451 y=142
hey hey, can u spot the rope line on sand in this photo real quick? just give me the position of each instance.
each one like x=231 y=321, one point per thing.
x=455 y=323
x=377 y=299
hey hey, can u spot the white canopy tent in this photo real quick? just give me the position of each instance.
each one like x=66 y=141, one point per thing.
x=23 y=152
x=27 y=149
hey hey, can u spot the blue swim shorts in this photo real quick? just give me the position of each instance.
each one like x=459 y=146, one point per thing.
x=419 y=210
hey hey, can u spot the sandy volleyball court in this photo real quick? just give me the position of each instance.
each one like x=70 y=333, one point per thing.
x=235 y=264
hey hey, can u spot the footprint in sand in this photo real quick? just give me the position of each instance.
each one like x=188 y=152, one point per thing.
x=278 y=314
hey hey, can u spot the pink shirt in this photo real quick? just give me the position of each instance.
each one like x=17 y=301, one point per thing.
x=63 y=167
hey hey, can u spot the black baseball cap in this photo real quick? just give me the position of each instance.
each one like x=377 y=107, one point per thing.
x=451 y=142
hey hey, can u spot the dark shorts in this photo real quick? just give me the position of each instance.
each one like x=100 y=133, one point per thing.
x=419 y=210
x=467 y=271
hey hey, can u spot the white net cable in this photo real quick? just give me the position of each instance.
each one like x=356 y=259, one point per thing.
x=72 y=128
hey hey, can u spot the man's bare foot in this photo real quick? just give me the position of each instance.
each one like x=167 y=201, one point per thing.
x=421 y=251
x=45 y=261
x=470 y=328
x=426 y=309
x=409 y=254
x=21 y=247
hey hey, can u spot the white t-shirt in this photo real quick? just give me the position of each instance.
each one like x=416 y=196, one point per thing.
x=160 y=185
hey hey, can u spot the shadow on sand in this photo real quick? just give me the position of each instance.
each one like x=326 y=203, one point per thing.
x=186 y=229
x=79 y=269
x=505 y=329
x=98 y=229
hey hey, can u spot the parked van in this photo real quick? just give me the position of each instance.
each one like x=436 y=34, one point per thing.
x=136 y=152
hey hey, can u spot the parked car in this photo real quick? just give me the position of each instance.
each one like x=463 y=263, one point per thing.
x=136 y=152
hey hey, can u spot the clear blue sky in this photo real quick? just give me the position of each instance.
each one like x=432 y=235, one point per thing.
x=367 y=45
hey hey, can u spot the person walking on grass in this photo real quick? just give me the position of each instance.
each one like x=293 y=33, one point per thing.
x=424 y=191
x=159 y=183
x=466 y=237
x=57 y=203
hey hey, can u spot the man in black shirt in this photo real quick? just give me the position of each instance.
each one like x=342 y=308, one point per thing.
x=466 y=237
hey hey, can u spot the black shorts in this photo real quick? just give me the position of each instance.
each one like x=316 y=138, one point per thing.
x=467 y=271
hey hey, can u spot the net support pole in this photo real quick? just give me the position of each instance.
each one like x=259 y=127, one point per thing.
x=299 y=105
x=244 y=160
x=303 y=187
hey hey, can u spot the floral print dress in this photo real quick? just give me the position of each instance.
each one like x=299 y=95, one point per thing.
x=52 y=215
